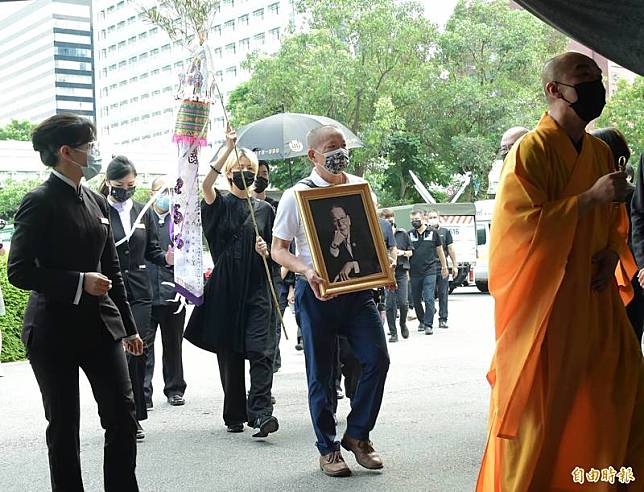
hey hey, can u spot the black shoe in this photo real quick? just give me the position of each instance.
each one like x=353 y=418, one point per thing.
x=140 y=434
x=273 y=400
x=393 y=339
x=176 y=400
x=235 y=428
x=429 y=330
x=404 y=331
x=149 y=406
x=442 y=323
x=421 y=327
x=339 y=394
x=266 y=425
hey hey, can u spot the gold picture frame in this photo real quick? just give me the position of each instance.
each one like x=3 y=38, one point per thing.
x=344 y=235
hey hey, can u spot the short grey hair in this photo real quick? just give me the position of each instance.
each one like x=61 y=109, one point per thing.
x=314 y=136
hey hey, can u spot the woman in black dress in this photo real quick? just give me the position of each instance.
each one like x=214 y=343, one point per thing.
x=136 y=242
x=236 y=320
x=77 y=316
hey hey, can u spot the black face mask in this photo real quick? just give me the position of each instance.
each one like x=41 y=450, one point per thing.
x=591 y=99
x=416 y=224
x=122 y=194
x=249 y=177
x=261 y=183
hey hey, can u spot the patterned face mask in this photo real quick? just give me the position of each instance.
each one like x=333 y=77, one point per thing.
x=336 y=161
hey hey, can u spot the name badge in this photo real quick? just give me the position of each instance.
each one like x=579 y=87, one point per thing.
x=142 y=267
x=104 y=220
x=140 y=225
x=413 y=238
x=430 y=237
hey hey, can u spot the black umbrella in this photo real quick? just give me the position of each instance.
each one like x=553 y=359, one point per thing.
x=283 y=135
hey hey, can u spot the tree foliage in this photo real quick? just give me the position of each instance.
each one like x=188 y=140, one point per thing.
x=17 y=130
x=435 y=102
x=11 y=323
x=625 y=111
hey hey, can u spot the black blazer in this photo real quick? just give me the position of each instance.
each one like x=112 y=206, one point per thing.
x=60 y=233
x=162 y=277
x=143 y=245
x=636 y=239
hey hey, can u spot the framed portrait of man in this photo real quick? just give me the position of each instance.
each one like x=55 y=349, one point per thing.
x=345 y=239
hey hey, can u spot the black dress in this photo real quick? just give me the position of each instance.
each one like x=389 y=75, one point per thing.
x=236 y=319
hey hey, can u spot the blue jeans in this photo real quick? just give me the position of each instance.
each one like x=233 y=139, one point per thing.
x=442 y=286
x=355 y=316
x=423 y=289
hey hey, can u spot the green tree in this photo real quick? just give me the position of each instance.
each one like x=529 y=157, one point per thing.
x=625 y=111
x=435 y=102
x=17 y=130
x=11 y=194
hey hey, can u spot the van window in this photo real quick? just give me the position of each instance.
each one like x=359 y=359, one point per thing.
x=481 y=234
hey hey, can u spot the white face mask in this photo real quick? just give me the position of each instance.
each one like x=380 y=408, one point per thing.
x=434 y=222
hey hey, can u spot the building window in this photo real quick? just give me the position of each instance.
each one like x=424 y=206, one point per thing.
x=231 y=49
x=154 y=30
x=156 y=93
x=259 y=39
x=217 y=53
x=244 y=44
x=217 y=30
x=165 y=47
x=143 y=35
x=229 y=3
x=131 y=20
x=219 y=75
x=122 y=64
x=275 y=34
x=144 y=75
x=77 y=52
x=120 y=5
x=167 y=68
x=229 y=25
x=178 y=65
x=110 y=9
x=154 y=73
x=133 y=80
x=154 y=52
x=122 y=83
x=132 y=60
x=143 y=56
x=121 y=45
x=243 y=20
x=167 y=88
x=111 y=29
x=258 y=15
x=231 y=72
x=103 y=14
x=103 y=33
x=120 y=25
x=274 y=8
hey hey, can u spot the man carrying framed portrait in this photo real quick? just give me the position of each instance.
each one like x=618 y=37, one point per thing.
x=327 y=308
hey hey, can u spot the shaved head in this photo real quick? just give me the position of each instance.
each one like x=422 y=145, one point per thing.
x=512 y=135
x=562 y=68
x=318 y=135
x=160 y=182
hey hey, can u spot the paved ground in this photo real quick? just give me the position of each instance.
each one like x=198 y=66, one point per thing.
x=431 y=429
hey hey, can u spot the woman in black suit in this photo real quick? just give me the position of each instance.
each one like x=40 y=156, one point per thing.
x=77 y=315
x=136 y=242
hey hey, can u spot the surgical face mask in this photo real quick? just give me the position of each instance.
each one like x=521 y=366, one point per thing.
x=163 y=203
x=591 y=99
x=93 y=167
x=238 y=180
x=416 y=223
x=336 y=161
x=122 y=194
x=261 y=183
x=433 y=222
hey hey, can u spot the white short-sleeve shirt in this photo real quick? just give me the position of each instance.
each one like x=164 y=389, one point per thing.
x=288 y=223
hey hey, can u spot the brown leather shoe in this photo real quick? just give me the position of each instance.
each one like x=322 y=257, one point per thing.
x=363 y=450
x=333 y=465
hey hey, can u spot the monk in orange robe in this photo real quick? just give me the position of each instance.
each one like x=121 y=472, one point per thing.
x=567 y=377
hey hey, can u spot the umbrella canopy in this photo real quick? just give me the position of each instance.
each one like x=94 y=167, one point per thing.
x=283 y=135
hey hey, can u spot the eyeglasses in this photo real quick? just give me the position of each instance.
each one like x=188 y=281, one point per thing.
x=92 y=149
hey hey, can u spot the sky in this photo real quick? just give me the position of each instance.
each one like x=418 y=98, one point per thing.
x=438 y=11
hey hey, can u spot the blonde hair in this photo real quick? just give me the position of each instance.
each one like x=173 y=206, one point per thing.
x=232 y=161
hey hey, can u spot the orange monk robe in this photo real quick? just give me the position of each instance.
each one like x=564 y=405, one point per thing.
x=567 y=375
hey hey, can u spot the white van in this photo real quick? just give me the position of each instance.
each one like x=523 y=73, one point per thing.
x=484 y=210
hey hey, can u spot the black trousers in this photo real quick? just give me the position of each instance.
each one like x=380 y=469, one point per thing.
x=397 y=300
x=283 y=302
x=348 y=366
x=237 y=409
x=56 y=367
x=142 y=312
x=171 y=337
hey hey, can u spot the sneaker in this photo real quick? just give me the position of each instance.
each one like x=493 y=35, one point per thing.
x=404 y=331
x=266 y=425
x=421 y=327
x=333 y=465
x=140 y=433
x=273 y=400
x=149 y=406
x=442 y=323
x=429 y=330
x=176 y=400
x=299 y=346
x=411 y=316
x=393 y=339
x=339 y=394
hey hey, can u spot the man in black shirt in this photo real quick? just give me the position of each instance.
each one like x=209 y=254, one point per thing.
x=398 y=298
x=424 y=267
x=442 y=283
